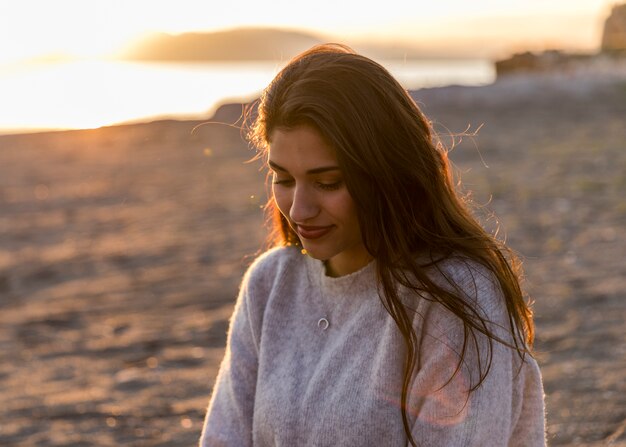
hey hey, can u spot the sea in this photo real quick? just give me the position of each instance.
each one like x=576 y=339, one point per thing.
x=92 y=93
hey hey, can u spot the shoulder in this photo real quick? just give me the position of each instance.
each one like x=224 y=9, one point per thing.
x=264 y=280
x=272 y=267
x=462 y=270
x=470 y=280
x=478 y=287
x=274 y=261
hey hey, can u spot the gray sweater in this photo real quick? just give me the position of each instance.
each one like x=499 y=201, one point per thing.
x=287 y=381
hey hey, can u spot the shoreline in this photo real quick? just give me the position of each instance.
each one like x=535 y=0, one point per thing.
x=516 y=86
x=91 y=93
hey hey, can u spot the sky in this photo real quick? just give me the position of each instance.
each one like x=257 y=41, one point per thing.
x=84 y=28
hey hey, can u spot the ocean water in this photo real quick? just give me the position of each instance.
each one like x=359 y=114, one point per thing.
x=93 y=93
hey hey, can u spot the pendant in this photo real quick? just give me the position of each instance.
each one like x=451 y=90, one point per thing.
x=323 y=324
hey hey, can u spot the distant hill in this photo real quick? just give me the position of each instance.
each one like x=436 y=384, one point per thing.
x=263 y=44
x=231 y=45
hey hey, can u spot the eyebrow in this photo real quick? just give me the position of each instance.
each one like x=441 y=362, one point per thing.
x=319 y=170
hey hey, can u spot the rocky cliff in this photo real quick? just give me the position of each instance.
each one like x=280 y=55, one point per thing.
x=614 y=35
x=611 y=60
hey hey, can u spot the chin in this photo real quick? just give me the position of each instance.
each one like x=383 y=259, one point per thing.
x=317 y=254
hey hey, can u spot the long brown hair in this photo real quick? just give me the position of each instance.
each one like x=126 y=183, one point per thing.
x=401 y=182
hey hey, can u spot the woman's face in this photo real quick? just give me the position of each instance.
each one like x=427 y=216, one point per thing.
x=309 y=190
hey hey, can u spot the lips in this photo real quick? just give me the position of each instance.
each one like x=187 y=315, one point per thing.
x=311 y=232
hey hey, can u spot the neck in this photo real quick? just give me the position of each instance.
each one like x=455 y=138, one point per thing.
x=341 y=266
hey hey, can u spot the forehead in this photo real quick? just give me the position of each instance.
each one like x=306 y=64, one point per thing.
x=300 y=148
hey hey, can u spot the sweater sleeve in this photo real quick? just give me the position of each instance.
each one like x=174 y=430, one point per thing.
x=506 y=409
x=228 y=421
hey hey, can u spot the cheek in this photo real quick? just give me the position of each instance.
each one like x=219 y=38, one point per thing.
x=344 y=207
x=282 y=199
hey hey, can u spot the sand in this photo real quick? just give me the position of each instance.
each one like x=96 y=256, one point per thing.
x=121 y=250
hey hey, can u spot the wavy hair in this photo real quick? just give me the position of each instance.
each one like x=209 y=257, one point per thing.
x=399 y=177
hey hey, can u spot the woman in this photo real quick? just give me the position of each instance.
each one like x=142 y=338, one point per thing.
x=385 y=315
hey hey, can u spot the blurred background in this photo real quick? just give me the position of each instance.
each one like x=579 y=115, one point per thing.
x=129 y=207
x=75 y=64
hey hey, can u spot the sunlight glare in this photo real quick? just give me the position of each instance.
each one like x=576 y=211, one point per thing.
x=88 y=94
x=30 y=28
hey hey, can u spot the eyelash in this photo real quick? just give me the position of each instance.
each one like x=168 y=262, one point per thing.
x=324 y=186
x=330 y=186
x=282 y=182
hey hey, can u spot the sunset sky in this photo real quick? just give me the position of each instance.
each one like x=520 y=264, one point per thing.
x=85 y=28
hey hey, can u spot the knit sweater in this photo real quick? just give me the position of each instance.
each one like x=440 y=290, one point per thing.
x=287 y=381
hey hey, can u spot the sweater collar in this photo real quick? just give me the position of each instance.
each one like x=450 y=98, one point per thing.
x=356 y=283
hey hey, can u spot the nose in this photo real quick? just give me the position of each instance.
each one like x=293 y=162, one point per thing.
x=304 y=206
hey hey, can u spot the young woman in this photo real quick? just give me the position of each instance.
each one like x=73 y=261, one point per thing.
x=384 y=315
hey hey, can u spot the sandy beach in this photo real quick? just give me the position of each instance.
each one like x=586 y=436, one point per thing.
x=121 y=251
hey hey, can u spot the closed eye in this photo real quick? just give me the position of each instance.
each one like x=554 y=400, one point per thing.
x=330 y=186
x=283 y=182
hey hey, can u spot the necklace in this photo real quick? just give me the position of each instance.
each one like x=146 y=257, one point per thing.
x=338 y=286
x=323 y=323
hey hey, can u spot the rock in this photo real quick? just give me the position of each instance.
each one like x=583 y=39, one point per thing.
x=231 y=113
x=614 y=35
x=610 y=60
x=547 y=62
x=527 y=62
